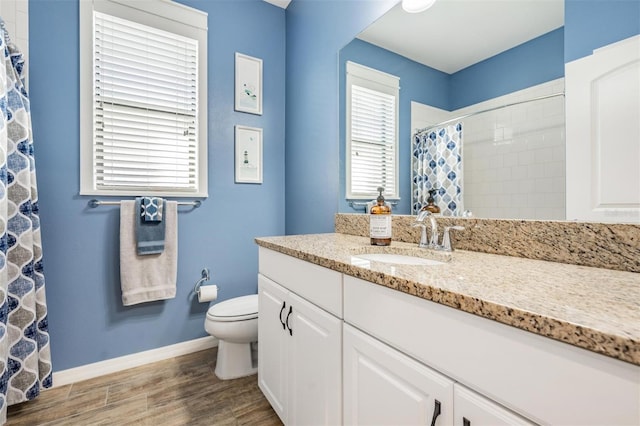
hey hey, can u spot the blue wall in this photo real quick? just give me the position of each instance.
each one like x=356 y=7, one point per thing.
x=534 y=62
x=590 y=24
x=86 y=318
x=417 y=83
x=316 y=31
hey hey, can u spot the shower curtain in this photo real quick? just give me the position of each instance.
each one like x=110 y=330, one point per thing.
x=25 y=358
x=436 y=163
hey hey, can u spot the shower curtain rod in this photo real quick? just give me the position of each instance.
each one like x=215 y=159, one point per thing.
x=471 y=114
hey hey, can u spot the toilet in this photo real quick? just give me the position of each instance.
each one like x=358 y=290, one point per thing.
x=234 y=323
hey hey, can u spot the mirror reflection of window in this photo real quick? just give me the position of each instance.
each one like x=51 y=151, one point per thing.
x=372 y=133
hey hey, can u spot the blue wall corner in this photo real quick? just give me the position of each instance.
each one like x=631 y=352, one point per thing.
x=86 y=318
x=528 y=64
x=316 y=31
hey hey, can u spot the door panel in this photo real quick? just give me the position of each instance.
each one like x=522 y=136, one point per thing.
x=386 y=387
x=315 y=367
x=272 y=344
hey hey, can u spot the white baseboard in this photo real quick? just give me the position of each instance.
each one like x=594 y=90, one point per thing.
x=96 y=369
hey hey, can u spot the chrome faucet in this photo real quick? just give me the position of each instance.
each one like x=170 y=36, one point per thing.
x=434 y=229
x=423 y=236
x=433 y=243
x=446 y=239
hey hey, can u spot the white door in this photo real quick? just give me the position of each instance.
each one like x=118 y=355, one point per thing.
x=385 y=387
x=315 y=365
x=603 y=134
x=472 y=409
x=272 y=344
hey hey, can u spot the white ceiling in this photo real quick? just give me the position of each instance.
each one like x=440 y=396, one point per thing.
x=280 y=3
x=454 y=34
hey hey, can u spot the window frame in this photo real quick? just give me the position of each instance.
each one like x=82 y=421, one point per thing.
x=164 y=15
x=381 y=82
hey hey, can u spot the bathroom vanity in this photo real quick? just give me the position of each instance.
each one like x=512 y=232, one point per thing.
x=300 y=359
x=478 y=339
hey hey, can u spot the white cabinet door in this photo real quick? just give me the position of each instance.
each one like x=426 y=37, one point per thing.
x=471 y=409
x=315 y=365
x=299 y=357
x=272 y=344
x=385 y=387
x=603 y=135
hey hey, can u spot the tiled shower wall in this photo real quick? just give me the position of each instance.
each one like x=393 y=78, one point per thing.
x=15 y=14
x=514 y=157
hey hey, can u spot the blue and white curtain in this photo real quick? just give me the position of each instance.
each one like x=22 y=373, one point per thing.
x=25 y=358
x=436 y=163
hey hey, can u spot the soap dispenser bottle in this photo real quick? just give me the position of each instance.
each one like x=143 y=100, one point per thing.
x=380 y=222
x=431 y=206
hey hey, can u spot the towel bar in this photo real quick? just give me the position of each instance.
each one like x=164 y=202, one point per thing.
x=93 y=203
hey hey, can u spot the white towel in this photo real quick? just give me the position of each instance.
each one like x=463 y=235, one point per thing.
x=150 y=277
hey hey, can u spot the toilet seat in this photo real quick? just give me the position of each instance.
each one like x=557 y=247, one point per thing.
x=237 y=309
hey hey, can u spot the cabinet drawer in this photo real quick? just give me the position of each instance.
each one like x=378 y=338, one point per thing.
x=542 y=379
x=320 y=286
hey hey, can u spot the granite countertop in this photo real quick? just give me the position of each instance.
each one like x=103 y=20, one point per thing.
x=592 y=308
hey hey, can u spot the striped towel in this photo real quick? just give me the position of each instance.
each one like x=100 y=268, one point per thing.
x=149 y=233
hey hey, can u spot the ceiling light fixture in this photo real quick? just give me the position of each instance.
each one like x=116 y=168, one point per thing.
x=417 y=6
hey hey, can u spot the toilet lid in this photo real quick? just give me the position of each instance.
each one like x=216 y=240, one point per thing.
x=236 y=309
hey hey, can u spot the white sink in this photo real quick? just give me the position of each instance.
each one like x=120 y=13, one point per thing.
x=398 y=259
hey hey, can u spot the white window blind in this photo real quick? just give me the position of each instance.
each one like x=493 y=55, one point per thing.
x=372 y=141
x=145 y=107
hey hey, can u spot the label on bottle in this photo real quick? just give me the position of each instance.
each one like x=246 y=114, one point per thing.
x=380 y=226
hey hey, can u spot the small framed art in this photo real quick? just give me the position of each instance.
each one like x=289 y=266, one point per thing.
x=248 y=84
x=248 y=154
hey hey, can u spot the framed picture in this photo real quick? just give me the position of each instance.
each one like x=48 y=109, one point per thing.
x=248 y=84
x=248 y=154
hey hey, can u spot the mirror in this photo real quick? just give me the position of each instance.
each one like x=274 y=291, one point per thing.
x=464 y=56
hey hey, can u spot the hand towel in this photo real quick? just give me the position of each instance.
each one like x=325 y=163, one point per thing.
x=151 y=277
x=149 y=234
x=151 y=209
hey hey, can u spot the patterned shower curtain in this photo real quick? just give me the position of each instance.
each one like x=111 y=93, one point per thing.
x=25 y=358
x=436 y=163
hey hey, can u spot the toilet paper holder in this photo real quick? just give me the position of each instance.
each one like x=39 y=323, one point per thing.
x=205 y=277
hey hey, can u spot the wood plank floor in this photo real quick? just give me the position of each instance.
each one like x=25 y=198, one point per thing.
x=178 y=391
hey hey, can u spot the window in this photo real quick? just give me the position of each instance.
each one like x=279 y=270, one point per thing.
x=143 y=99
x=372 y=133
